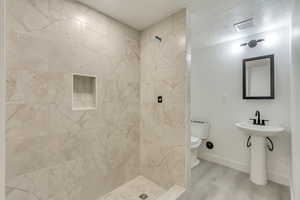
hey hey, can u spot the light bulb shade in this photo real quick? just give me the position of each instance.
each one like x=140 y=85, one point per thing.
x=252 y=43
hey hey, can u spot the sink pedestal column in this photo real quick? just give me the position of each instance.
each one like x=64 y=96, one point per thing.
x=258 y=173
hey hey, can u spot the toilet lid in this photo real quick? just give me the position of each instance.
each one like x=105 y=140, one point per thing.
x=195 y=140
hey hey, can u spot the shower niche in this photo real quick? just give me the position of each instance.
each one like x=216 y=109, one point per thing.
x=84 y=95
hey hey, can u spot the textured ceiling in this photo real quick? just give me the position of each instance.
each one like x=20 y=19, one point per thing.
x=138 y=14
x=212 y=21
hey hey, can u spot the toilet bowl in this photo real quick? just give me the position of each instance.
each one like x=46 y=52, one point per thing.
x=199 y=132
x=195 y=144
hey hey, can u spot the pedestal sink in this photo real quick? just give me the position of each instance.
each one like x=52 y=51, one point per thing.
x=258 y=171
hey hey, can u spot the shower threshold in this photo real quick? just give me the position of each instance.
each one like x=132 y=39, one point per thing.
x=141 y=188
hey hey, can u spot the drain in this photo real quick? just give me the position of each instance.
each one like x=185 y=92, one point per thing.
x=143 y=196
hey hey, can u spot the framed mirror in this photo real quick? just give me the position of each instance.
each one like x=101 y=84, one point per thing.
x=258 y=78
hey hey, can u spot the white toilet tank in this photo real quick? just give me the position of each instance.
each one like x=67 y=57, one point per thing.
x=199 y=129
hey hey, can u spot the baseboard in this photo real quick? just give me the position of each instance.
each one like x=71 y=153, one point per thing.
x=292 y=188
x=272 y=176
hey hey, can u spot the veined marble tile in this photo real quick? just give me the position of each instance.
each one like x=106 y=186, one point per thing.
x=23 y=156
x=22 y=52
x=32 y=186
x=48 y=41
x=64 y=180
x=163 y=130
x=26 y=86
x=26 y=120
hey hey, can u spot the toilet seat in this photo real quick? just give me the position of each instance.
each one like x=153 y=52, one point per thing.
x=195 y=142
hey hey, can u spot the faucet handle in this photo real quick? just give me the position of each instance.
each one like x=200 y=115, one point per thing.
x=263 y=122
x=254 y=121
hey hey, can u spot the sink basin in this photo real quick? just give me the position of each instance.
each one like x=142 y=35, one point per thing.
x=260 y=131
x=258 y=164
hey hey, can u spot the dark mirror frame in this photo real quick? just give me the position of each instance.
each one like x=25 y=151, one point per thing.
x=272 y=78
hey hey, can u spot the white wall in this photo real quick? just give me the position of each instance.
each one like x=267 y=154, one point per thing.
x=2 y=94
x=295 y=76
x=217 y=98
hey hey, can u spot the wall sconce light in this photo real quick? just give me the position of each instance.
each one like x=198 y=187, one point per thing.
x=252 y=43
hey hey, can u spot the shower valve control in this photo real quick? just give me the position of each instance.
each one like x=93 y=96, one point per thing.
x=159 y=99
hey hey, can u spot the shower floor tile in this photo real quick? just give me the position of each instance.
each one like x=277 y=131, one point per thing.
x=215 y=182
x=134 y=189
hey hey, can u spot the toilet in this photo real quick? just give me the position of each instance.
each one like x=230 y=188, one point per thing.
x=199 y=132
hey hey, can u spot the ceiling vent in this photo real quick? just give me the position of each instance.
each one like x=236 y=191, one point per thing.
x=245 y=24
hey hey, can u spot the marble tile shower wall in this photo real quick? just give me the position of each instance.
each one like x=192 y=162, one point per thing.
x=52 y=152
x=163 y=73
